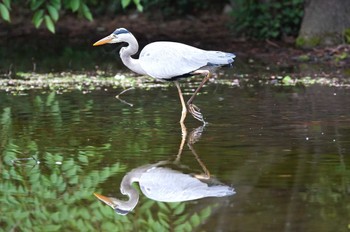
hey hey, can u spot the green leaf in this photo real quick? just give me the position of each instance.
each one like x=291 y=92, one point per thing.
x=53 y=178
x=74 y=5
x=36 y=4
x=183 y=227
x=73 y=180
x=180 y=220
x=83 y=159
x=38 y=18
x=7 y=3
x=163 y=206
x=52 y=227
x=50 y=99
x=86 y=12
x=195 y=220
x=138 y=5
x=174 y=205
x=125 y=3
x=287 y=80
x=6 y=116
x=34 y=177
x=56 y=4
x=86 y=183
x=5 y=14
x=67 y=164
x=84 y=213
x=49 y=24
x=53 y=12
x=164 y=219
x=205 y=213
x=180 y=209
x=71 y=172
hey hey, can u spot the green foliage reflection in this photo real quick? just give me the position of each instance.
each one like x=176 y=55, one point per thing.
x=51 y=194
x=49 y=172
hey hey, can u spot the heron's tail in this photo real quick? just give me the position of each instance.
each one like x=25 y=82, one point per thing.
x=221 y=191
x=220 y=58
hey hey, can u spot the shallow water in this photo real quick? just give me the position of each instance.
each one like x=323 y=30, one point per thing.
x=284 y=150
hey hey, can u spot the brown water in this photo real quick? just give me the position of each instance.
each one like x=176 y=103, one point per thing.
x=284 y=150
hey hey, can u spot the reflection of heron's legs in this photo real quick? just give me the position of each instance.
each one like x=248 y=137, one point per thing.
x=192 y=108
x=206 y=174
x=184 y=109
x=183 y=140
x=123 y=101
x=192 y=138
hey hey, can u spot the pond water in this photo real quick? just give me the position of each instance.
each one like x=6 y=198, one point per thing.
x=284 y=151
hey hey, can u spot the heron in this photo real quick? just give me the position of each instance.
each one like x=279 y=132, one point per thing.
x=160 y=183
x=170 y=61
x=165 y=181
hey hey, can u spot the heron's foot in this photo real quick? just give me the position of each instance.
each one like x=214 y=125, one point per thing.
x=195 y=111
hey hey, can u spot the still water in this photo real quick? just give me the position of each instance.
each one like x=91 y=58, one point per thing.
x=283 y=151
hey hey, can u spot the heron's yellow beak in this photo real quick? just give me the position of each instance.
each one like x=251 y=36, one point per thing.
x=104 y=199
x=105 y=40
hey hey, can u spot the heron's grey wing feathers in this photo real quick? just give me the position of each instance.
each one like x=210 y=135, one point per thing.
x=166 y=185
x=165 y=60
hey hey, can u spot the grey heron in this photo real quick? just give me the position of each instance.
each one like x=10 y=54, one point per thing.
x=161 y=182
x=169 y=61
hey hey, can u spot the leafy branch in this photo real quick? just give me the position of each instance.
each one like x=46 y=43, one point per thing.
x=49 y=11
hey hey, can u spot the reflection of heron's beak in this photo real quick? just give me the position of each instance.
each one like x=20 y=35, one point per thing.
x=105 y=40
x=104 y=199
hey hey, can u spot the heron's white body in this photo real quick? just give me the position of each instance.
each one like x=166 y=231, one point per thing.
x=166 y=60
x=164 y=184
x=163 y=59
x=169 y=61
x=167 y=185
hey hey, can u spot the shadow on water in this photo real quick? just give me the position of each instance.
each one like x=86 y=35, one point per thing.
x=284 y=149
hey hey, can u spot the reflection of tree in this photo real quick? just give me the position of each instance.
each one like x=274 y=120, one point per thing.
x=316 y=132
x=328 y=195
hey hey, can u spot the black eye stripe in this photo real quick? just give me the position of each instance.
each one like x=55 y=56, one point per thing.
x=120 y=31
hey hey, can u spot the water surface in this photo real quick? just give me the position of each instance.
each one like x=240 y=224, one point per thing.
x=284 y=150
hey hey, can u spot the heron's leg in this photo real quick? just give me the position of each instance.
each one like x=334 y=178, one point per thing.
x=183 y=140
x=192 y=138
x=184 y=109
x=206 y=174
x=192 y=108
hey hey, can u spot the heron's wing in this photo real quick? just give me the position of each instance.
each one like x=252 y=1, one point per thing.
x=166 y=185
x=165 y=60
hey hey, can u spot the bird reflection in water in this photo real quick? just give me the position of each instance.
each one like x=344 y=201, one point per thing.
x=164 y=183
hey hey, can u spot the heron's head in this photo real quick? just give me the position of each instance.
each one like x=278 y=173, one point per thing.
x=113 y=203
x=118 y=36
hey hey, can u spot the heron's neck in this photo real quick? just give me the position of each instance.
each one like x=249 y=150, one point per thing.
x=127 y=52
x=127 y=189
